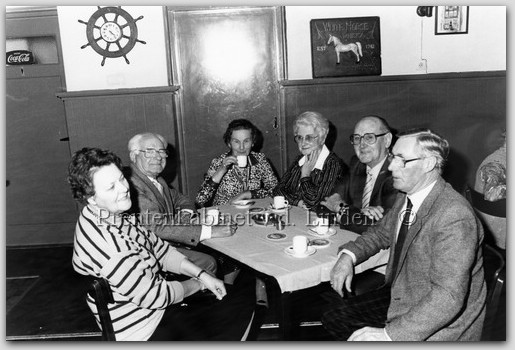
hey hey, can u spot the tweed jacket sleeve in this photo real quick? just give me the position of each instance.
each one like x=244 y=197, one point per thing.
x=160 y=213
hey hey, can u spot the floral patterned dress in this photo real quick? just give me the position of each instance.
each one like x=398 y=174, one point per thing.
x=258 y=177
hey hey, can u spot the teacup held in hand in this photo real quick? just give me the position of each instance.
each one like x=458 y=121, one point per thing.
x=280 y=202
x=242 y=161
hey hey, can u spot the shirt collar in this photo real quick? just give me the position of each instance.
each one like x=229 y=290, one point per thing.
x=153 y=179
x=375 y=170
x=417 y=198
x=324 y=153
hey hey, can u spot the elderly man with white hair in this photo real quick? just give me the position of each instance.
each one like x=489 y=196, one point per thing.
x=435 y=287
x=162 y=208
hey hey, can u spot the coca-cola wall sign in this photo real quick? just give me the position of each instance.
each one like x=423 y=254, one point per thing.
x=19 y=57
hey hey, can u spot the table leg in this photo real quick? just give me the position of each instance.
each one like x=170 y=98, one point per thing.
x=284 y=316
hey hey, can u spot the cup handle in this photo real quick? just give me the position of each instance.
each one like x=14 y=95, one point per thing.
x=286 y=203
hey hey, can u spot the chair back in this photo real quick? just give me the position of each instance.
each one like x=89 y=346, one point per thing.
x=495 y=277
x=497 y=208
x=494 y=263
x=101 y=292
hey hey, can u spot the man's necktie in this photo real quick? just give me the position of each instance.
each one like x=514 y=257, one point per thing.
x=158 y=185
x=401 y=237
x=367 y=192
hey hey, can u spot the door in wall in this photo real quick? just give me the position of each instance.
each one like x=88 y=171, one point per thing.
x=39 y=205
x=227 y=64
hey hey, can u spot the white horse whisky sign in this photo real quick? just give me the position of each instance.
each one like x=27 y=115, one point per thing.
x=345 y=47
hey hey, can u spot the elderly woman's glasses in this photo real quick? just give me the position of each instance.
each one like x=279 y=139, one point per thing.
x=151 y=152
x=368 y=138
x=402 y=161
x=307 y=138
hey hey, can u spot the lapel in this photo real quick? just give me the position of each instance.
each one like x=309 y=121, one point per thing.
x=383 y=174
x=422 y=213
x=166 y=194
x=151 y=188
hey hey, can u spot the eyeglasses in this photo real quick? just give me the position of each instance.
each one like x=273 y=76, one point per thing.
x=151 y=152
x=307 y=138
x=369 y=138
x=392 y=158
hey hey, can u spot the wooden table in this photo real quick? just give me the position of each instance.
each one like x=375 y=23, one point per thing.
x=251 y=247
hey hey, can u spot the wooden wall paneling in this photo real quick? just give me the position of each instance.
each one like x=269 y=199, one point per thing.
x=108 y=119
x=469 y=109
x=39 y=206
x=218 y=86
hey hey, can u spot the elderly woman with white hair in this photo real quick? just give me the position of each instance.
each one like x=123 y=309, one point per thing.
x=313 y=174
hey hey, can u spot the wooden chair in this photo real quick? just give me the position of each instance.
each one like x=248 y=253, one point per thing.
x=101 y=292
x=494 y=263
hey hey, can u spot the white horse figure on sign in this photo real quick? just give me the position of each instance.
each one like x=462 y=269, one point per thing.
x=339 y=47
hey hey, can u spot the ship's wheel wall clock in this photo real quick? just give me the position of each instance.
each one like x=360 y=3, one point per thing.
x=112 y=32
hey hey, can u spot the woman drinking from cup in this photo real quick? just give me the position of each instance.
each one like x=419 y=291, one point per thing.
x=240 y=173
x=112 y=245
x=313 y=174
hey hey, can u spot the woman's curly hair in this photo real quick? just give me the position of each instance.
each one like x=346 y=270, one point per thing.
x=83 y=165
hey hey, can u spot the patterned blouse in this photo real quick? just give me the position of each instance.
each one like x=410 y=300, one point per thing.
x=313 y=189
x=258 y=177
x=130 y=258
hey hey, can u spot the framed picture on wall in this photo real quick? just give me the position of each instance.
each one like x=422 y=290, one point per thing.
x=451 y=20
x=345 y=47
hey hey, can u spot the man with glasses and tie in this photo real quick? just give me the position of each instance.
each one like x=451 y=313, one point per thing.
x=435 y=287
x=364 y=195
x=162 y=208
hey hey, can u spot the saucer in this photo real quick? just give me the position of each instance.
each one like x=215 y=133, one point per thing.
x=243 y=204
x=319 y=243
x=329 y=233
x=278 y=211
x=256 y=210
x=276 y=236
x=311 y=250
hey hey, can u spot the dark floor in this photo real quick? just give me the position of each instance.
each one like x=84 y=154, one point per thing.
x=46 y=301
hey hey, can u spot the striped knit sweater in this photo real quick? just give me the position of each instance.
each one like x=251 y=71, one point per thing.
x=130 y=258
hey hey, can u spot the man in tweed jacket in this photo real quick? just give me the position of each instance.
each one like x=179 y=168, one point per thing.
x=162 y=208
x=437 y=290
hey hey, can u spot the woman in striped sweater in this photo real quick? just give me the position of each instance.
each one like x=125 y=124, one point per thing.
x=113 y=246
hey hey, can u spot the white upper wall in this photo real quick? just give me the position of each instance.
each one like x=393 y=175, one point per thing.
x=407 y=38
x=147 y=67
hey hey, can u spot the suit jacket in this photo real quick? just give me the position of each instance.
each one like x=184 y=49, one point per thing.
x=351 y=190
x=161 y=209
x=438 y=292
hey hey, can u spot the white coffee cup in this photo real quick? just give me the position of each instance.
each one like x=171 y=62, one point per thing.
x=242 y=161
x=280 y=202
x=300 y=245
x=322 y=225
x=212 y=216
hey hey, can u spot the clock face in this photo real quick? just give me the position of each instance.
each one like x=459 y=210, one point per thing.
x=111 y=32
x=111 y=22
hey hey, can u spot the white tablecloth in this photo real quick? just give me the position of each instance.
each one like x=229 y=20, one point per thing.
x=250 y=246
